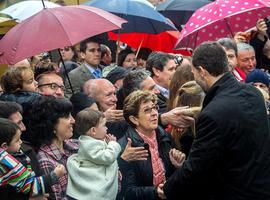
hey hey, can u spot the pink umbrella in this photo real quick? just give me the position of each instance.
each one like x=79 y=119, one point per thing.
x=222 y=18
x=54 y=28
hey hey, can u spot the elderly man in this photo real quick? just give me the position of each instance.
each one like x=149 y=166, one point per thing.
x=230 y=156
x=246 y=60
x=162 y=67
x=90 y=69
x=51 y=83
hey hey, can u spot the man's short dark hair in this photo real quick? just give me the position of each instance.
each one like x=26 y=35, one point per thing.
x=83 y=44
x=133 y=81
x=157 y=60
x=8 y=130
x=212 y=57
x=228 y=44
x=7 y=108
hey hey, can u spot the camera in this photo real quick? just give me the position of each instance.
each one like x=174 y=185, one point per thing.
x=45 y=56
x=267 y=22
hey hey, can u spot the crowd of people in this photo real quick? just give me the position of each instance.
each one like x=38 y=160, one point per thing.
x=149 y=125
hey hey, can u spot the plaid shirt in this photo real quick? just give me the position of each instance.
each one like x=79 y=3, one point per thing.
x=49 y=156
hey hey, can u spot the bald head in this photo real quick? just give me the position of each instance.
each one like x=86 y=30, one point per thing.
x=102 y=91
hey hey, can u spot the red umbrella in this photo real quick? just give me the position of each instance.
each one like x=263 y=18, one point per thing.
x=163 y=41
x=222 y=18
x=53 y=28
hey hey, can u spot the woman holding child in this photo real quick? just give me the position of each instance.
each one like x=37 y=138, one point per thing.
x=144 y=179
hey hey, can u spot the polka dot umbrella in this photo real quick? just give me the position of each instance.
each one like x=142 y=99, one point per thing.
x=222 y=18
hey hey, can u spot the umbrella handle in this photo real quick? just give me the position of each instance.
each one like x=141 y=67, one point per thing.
x=139 y=48
x=65 y=69
x=43 y=4
x=118 y=47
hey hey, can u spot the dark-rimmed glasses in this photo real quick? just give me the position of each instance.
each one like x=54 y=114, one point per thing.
x=53 y=86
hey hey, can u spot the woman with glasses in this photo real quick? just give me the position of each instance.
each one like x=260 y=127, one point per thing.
x=143 y=179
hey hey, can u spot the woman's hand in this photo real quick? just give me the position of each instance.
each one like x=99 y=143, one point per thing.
x=160 y=191
x=177 y=158
x=134 y=153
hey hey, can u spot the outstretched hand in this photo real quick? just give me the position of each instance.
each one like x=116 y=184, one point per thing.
x=134 y=153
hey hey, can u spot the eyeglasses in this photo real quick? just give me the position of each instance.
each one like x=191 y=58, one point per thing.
x=178 y=60
x=149 y=110
x=53 y=86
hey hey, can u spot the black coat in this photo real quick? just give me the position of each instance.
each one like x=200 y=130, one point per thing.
x=230 y=156
x=137 y=180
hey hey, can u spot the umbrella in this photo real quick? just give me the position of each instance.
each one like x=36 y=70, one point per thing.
x=6 y=24
x=54 y=28
x=140 y=14
x=179 y=11
x=222 y=18
x=25 y=9
x=164 y=41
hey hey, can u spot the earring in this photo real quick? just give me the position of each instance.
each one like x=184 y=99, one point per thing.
x=54 y=131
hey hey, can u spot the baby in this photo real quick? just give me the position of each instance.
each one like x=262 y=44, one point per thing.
x=93 y=172
x=16 y=174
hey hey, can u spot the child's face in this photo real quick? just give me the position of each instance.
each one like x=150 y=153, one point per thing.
x=100 y=130
x=15 y=143
x=29 y=83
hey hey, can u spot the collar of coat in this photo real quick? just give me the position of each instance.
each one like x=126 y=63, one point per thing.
x=227 y=80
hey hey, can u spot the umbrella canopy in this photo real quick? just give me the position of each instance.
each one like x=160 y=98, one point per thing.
x=222 y=18
x=25 y=9
x=179 y=11
x=164 y=41
x=54 y=28
x=140 y=14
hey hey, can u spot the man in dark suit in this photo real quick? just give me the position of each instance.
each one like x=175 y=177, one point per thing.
x=230 y=156
x=162 y=67
x=90 y=69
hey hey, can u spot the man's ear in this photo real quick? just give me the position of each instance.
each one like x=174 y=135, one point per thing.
x=202 y=71
x=4 y=146
x=134 y=120
x=156 y=71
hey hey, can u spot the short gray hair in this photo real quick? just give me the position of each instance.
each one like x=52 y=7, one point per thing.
x=133 y=81
x=244 y=47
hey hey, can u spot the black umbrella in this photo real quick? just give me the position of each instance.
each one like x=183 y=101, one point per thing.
x=179 y=11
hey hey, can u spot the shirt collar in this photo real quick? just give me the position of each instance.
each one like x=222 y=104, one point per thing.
x=163 y=91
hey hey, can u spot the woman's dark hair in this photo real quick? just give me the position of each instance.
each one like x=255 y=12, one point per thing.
x=44 y=116
x=122 y=56
x=8 y=130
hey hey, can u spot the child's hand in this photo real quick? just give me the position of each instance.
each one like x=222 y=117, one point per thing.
x=60 y=170
x=110 y=137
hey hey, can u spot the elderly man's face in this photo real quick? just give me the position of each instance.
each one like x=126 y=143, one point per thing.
x=106 y=96
x=246 y=61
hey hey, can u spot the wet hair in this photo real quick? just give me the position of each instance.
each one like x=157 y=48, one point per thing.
x=8 y=130
x=12 y=79
x=157 y=60
x=44 y=116
x=228 y=44
x=7 y=108
x=133 y=102
x=212 y=57
x=87 y=119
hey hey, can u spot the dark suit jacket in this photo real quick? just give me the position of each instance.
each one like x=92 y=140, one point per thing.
x=77 y=77
x=230 y=156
